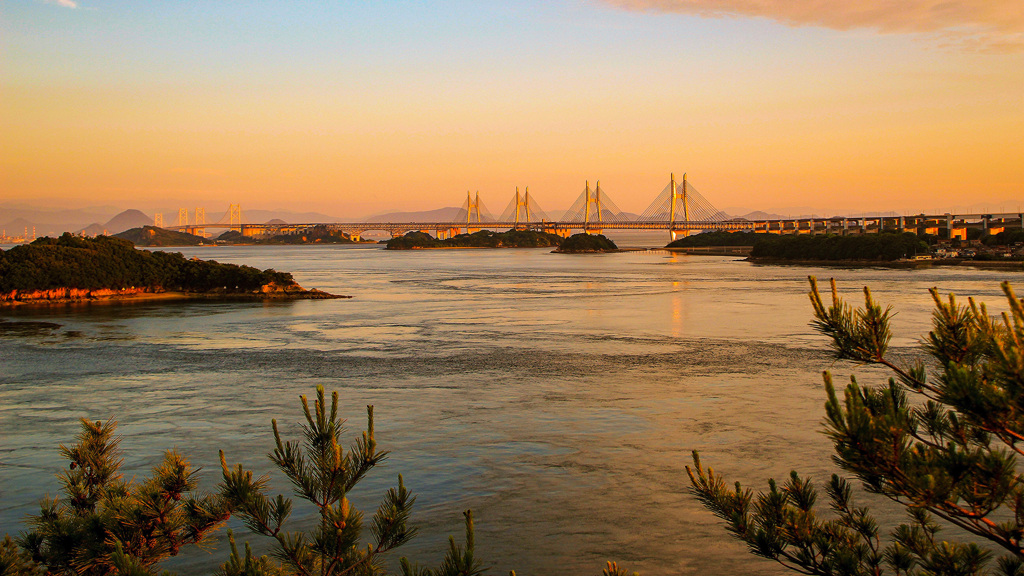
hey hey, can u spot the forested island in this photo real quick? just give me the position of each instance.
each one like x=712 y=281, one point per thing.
x=151 y=236
x=159 y=237
x=715 y=238
x=585 y=243
x=72 y=268
x=882 y=247
x=315 y=235
x=1002 y=250
x=481 y=239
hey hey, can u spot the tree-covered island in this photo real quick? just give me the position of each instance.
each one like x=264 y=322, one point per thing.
x=1002 y=250
x=584 y=243
x=151 y=236
x=881 y=247
x=72 y=268
x=481 y=239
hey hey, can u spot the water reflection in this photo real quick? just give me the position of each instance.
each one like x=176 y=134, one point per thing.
x=558 y=397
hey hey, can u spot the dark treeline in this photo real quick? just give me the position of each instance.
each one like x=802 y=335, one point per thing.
x=1004 y=238
x=716 y=238
x=157 y=237
x=882 y=246
x=113 y=263
x=587 y=243
x=315 y=235
x=481 y=239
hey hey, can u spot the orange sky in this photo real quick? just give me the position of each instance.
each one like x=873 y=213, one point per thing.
x=356 y=110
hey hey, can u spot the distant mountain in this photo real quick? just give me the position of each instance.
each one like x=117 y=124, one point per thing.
x=761 y=215
x=94 y=229
x=276 y=221
x=127 y=220
x=440 y=215
x=287 y=217
x=17 y=227
x=50 y=222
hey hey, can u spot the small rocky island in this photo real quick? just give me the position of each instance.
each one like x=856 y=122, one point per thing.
x=481 y=239
x=158 y=237
x=76 y=269
x=586 y=243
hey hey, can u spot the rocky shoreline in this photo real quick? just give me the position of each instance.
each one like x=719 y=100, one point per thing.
x=271 y=291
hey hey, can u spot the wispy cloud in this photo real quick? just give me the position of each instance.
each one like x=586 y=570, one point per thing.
x=64 y=3
x=984 y=25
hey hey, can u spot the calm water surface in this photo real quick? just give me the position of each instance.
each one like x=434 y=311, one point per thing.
x=557 y=396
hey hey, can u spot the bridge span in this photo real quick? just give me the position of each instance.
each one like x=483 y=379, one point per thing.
x=679 y=210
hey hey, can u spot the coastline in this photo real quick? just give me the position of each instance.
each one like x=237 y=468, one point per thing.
x=901 y=264
x=712 y=250
x=57 y=296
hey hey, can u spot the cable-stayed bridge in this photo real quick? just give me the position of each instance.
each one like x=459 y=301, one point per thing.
x=678 y=209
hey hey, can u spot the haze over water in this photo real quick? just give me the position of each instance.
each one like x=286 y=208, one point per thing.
x=557 y=396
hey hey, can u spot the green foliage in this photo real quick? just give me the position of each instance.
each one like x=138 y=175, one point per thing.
x=316 y=235
x=412 y=240
x=949 y=455
x=106 y=262
x=153 y=236
x=16 y=562
x=1004 y=238
x=586 y=243
x=104 y=524
x=716 y=238
x=322 y=474
x=479 y=239
x=831 y=247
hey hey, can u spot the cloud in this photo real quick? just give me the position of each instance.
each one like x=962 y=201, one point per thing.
x=983 y=25
x=64 y=3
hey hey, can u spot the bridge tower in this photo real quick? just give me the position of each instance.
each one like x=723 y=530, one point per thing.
x=675 y=194
x=198 y=223
x=472 y=207
x=235 y=217
x=183 y=217
x=524 y=203
x=158 y=220
x=595 y=201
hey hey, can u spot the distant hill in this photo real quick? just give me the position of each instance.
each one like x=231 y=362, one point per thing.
x=127 y=220
x=17 y=227
x=49 y=222
x=286 y=217
x=276 y=221
x=153 y=236
x=440 y=215
x=94 y=229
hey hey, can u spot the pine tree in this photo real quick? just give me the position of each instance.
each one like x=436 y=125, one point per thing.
x=941 y=438
x=323 y=473
x=105 y=524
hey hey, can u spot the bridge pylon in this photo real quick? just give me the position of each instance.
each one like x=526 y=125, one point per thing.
x=683 y=200
x=235 y=217
x=678 y=194
x=158 y=220
x=472 y=212
x=523 y=211
x=593 y=210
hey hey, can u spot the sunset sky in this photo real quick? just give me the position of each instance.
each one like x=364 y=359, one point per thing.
x=352 y=108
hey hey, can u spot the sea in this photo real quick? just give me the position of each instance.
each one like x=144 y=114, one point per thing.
x=559 y=397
